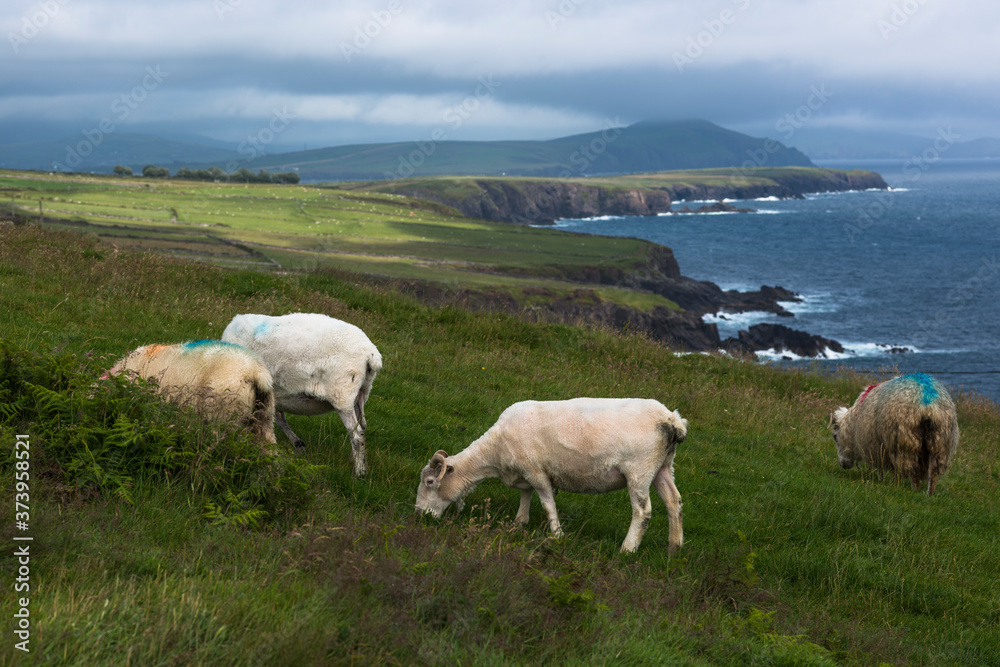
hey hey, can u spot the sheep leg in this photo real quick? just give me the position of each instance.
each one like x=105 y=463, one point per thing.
x=524 y=507
x=665 y=487
x=279 y=419
x=357 y=433
x=642 y=510
x=549 y=505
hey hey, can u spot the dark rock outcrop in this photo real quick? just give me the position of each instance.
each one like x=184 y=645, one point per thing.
x=717 y=207
x=661 y=275
x=780 y=338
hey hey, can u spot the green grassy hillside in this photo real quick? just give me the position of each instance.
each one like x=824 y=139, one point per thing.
x=280 y=227
x=788 y=560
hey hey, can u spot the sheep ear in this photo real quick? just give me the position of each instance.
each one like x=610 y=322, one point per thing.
x=439 y=463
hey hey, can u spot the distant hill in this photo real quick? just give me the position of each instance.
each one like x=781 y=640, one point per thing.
x=841 y=144
x=100 y=152
x=644 y=146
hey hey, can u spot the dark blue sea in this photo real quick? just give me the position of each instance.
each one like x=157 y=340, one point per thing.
x=915 y=268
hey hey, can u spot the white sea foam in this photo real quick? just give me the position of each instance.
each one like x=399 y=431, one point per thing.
x=736 y=320
x=571 y=222
x=819 y=302
x=685 y=213
x=851 y=351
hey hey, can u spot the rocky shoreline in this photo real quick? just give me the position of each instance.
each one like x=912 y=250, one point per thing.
x=684 y=329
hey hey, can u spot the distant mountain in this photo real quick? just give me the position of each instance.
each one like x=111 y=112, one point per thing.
x=97 y=151
x=986 y=147
x=645 y=146
x=844 y=144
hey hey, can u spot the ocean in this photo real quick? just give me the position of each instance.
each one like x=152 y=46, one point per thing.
x=915 y=268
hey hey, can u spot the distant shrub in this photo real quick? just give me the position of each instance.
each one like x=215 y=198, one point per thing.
x=239 y=176
x=152 y=171
x=103 y=435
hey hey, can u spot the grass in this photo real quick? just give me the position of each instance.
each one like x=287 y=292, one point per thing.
x=298 y=227
x=788 y=559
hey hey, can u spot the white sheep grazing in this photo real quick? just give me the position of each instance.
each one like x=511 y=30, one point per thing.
x=907 y=425
x=218 y=379
x=583 y=445
x=319 y=364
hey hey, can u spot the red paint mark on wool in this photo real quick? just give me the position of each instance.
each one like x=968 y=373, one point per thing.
x=867 y=390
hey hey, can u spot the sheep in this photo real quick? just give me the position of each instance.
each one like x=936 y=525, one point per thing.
x=581 y=445
x=218 y=379
x=319 y=364
x=906 y=425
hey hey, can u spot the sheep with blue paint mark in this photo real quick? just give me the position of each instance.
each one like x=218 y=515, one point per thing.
x=220 y=380
x=319 y=364
x=906 y=425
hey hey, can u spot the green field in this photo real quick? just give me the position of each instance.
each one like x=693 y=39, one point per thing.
x=158 y=540
x=282 y=227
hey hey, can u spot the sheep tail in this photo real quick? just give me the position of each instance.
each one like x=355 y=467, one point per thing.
x=935 y=451
x=372 y=367
x=262 y=415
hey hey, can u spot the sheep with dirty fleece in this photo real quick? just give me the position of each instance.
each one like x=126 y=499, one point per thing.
x=907 y=425
x=582 y=445
x=319 y=364
x=218 y=379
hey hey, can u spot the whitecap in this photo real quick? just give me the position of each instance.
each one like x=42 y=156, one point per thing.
x=729 y=324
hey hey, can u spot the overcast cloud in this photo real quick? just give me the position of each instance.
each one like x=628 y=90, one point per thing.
x=397 y=70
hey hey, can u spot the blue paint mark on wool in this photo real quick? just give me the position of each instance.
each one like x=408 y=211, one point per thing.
x=262 y=329
x=202 y=343
x=926 y=384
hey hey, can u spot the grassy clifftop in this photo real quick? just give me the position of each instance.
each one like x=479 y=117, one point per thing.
x=537 y=200
x=788 y=559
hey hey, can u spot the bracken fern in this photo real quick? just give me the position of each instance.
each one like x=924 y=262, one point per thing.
x=104 y=434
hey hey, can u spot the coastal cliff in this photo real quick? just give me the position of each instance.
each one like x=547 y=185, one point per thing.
x=545 y=200
x=540 y=201
x=681 y=328
x=792 y=184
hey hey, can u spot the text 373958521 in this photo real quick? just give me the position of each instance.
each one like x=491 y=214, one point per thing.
x=22 y=518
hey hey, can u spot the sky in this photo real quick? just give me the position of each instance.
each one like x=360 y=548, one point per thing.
x=310 y=74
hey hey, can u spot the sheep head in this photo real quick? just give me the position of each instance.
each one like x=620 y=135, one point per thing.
x=837 y=420
x=431 y=498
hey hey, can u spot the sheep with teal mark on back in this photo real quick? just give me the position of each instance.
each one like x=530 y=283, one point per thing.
x=218 y=379
x=319 y=364
x=906 y=425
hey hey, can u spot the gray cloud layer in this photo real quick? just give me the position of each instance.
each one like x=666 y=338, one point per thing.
x=394 y=69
